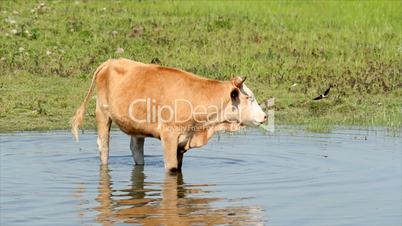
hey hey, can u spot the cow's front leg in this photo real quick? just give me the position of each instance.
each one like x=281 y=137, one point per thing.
x=170 y=143
x=137 y=149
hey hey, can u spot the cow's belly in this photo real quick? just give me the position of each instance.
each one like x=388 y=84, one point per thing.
x=136 y=129
x=120 y=115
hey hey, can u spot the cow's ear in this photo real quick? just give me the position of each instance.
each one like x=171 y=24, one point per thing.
x=234 y=94
x=238 y=82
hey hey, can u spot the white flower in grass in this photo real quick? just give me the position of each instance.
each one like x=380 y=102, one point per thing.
x=119 y=50
x=399 y=49
x=10 y=21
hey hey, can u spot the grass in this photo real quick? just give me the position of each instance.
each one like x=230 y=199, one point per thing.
x=49 y=51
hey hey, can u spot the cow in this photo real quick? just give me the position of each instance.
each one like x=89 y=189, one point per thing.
x=181 y=109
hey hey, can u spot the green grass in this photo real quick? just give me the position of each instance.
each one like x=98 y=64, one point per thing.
x=48 y=54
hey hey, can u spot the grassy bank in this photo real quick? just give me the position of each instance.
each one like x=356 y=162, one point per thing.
x=49 y=51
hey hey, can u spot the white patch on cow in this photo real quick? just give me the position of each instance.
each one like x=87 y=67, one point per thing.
x=255 y=113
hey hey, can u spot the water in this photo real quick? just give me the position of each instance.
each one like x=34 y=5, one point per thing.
x=348 y=177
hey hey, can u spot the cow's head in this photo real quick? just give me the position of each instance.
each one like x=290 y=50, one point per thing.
x=243 y=106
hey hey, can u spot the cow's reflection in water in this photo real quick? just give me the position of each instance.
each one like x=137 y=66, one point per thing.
x=176 y=203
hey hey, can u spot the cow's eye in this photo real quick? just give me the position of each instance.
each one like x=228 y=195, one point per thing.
x=234 y=94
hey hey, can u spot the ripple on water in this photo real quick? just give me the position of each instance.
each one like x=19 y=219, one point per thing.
x=347 y=177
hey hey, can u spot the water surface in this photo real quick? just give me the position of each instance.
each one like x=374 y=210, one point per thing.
x=347 y=177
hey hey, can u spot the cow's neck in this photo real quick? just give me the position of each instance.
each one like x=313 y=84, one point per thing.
x=218 y=94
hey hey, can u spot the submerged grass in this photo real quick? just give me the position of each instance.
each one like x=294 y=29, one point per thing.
x=49 y=51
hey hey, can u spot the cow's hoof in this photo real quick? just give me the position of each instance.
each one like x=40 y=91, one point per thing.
x=174 y=170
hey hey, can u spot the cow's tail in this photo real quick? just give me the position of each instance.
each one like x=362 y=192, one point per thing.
x=78 y=118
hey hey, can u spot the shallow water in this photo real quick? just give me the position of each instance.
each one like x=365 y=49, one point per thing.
x=347 y=177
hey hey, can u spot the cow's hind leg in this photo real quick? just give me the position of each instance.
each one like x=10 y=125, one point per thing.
x=103 y=123
x=137 y=148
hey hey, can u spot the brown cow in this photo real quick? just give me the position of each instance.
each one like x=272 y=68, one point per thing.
x=181 y=109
